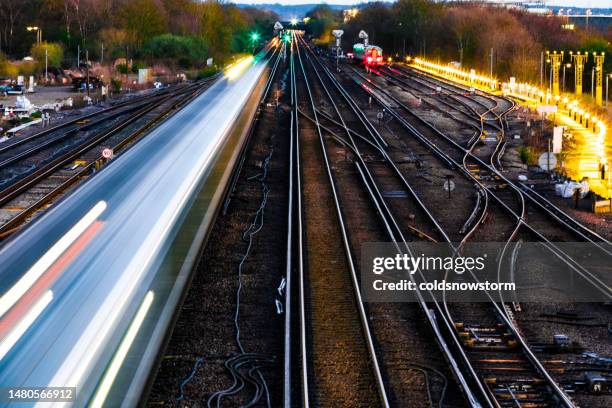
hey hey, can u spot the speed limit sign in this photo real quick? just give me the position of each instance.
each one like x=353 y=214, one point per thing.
x=107 y=153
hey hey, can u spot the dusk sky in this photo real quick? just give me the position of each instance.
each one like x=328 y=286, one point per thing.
x=575 y=3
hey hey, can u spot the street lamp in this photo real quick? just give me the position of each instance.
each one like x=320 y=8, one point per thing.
x=565 y=66
x=588 y=13
x=38 y=33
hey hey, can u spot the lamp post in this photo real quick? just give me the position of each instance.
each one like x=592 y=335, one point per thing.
x=38 y=33
x=588 y=13
x=565 y=66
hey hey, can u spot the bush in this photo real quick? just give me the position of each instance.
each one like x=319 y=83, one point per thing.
x=55 y=54
x=122 y=68
x=36 y=115
x=187 y=50
x=7 y=69
x=526 y=154
x=115 y=85
x=206 y=72
x=27 y=68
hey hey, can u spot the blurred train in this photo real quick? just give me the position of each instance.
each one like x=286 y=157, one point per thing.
x=369 y=55
x=90 y=290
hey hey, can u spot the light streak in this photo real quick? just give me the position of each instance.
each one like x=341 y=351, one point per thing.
x=14 y=335
x=32 y=275
x=237 y=69
x=124 y=347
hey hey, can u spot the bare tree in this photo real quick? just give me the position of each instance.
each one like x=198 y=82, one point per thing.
x=12 y=13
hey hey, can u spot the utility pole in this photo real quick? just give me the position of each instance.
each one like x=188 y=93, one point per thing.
x=79 y=56
x=588 y=13
x=541 y=69
x=491 y=70
x=102 y=54
x=550 y=79
x=46 y=64
x=87 y=69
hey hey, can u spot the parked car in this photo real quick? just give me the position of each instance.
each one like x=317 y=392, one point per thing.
x=12 y=89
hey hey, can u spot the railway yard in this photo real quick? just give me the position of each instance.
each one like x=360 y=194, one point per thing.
x=272 y=311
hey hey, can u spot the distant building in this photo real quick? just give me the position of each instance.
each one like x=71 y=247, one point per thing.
x=534 y=6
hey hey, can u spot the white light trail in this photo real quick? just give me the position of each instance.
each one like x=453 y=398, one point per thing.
x=14 y=335
x=15 y=293
x=124 y=347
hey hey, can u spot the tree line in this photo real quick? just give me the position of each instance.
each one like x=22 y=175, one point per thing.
x=465 y=33
x=183 y=32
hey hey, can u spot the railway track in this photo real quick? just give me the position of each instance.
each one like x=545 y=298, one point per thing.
x=42 y=167
x=391 y=230
x=481 y=169
x=339 y=365
x=456 y=163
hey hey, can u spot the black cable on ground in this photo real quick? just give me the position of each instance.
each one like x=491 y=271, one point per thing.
x=198 y=361
x=251 y=362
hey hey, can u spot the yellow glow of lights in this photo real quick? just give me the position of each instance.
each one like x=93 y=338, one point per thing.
x=234 y=71
x=467 y=76
x=528 y=92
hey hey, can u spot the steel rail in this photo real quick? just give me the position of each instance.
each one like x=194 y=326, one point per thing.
x=396 y=235
x=157 y=94
x=587 y=275
x=300 y=233
x=9 y=227
x=51 y=141
x=548 y=207
x=348 y=253
x=502 y=315
x=12 y=191
x=287 y=402
x=506 y=316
